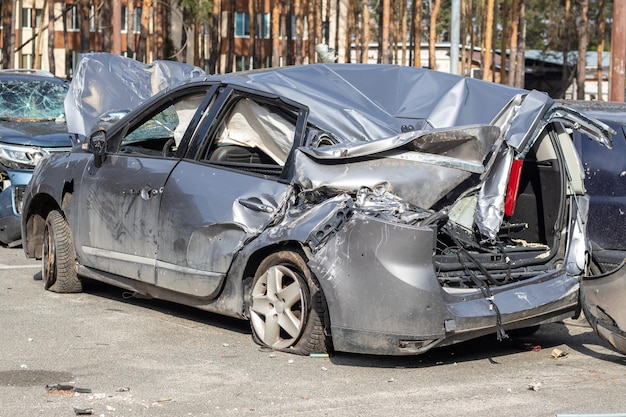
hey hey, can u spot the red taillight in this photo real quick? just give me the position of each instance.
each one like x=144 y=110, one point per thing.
x=512 y=187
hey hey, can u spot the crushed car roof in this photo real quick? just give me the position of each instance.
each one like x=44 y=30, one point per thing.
x=356 y=102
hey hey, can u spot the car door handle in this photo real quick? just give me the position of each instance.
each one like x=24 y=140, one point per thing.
x=255 y=204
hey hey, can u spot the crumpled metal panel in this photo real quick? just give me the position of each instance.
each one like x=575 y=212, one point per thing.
x=402 y=175
x=105 y=82
x=376 y=266
x=602 y=298
x=469 y=143
x=442 y=157
x=490 y=204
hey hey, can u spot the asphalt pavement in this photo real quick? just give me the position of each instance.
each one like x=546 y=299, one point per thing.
x=108 y=353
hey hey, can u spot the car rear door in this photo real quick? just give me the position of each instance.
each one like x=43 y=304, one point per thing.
x=227 y=191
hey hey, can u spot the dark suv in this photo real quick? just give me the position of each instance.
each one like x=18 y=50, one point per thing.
x=605 y=178
x=32 y=125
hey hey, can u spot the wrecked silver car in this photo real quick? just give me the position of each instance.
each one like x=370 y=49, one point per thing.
x=362 y=208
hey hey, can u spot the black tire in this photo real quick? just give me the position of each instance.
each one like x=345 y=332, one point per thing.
x=58 y=260
x=287 y=309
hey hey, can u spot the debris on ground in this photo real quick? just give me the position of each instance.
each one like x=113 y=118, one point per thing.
x=558 y=353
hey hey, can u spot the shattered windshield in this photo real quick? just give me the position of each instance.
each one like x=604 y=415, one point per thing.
x=31 y=101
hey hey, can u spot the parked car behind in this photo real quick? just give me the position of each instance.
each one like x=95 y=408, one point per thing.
x=362 y=208
x=32 y=126
x=605 y=181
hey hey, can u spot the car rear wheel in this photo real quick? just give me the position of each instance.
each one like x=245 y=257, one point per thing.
x=287 y=308
x=58 y=268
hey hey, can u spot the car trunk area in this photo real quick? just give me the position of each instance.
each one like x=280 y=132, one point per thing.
x=529 y=238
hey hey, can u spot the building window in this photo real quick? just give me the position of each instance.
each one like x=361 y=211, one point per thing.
x=27 y=61
x=263 y=23
x=124 y=19
x=27 y=17
x=240 y=63
x=73 y=16
x=242 y=24
x=136 y=19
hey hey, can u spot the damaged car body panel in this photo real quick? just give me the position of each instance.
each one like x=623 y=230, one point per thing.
x=603 y=304
x=327 y=211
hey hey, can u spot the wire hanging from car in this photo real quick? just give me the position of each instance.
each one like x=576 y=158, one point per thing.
x=483 y=286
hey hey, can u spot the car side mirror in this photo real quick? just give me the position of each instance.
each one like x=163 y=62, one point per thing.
x=97 y=144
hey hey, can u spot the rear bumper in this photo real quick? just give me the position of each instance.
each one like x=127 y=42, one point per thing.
x=387 y=299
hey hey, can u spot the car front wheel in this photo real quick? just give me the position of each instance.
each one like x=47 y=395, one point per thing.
x=287 y=308
x=59 y=257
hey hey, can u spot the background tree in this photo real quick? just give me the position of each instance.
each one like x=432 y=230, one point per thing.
x=432 y=33
x=601 y=23
x=215 y=37
x=276 y=6
x=51 y=20
x=8 y=34
x=417 y=9
x=130 y=28
x=487 y=48
x=385 y=19
x=583 y=41
x=84 y=23
x=107 y=15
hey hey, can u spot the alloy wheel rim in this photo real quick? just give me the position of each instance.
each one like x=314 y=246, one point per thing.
x=278 y=307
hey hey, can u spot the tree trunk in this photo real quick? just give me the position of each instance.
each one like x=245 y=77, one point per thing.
x=39 y=41
x=253 y=32
x=311 y=26
x=504 y=40
x=601 y=31
x=416 y=30
x=85 y=11
x=8 y=34
x=106 y=25
x=230 y=53
x=66 y=44
x=384 y=32
x=365 y=34
x=214 y=56
x=583 y=43
x=513 y=65
x=487 y=49
x=288 y=41
x=51 y=19
x=130 y=28
x=521 y=46
x=142 y=45
x=565 y=35
x=350 y=29
x=275 y=32
x=432 y=34
x=297 y=10
x=184 y=39
x=404 y=15
x=259 y=45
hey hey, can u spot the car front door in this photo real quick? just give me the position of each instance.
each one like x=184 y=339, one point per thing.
x=121 y=192
x=227 y=193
